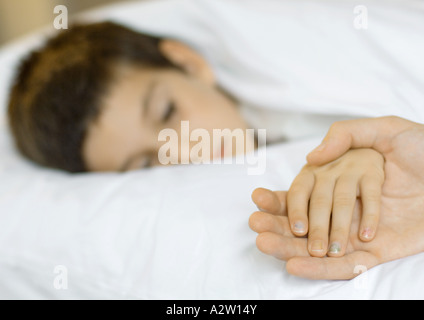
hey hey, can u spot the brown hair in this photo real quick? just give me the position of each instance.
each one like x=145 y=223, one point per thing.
x=58 y=89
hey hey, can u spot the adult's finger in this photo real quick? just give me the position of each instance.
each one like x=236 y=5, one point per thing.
x=270 y=201
x=376 y=133
x=281 y=247
x=260 y=221
x=340 y=268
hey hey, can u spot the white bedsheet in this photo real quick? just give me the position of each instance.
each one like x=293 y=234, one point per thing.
x=178 y=232
x=166 y=233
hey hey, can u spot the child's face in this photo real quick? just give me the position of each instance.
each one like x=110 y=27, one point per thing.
x=140 y=103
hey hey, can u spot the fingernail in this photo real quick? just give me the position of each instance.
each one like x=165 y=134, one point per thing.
x=367 y=233
x=334 y=248
x=299 y=227
x=317 y=245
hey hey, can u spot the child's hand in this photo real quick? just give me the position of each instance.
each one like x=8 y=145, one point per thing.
x=323 y=198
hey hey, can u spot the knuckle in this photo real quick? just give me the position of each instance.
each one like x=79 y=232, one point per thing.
x=392 y=119
x=295 y=189
x=320 y=202
x=372 y=197
x=379 y=175
x=344 y=200
x=371 y=216
x=296 y=213
x=339 y=231
x=336 y=125
x=317 y=231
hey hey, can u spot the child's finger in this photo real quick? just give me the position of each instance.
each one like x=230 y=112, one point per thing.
x=370 y=190
x=270 y=201
x=297 y=202
x=320 y=207
x=344 y=199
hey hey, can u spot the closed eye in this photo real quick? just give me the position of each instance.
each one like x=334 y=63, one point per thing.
x=170 y=110
x=146 y=163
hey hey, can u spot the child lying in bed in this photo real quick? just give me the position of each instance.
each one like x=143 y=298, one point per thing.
x=95 y=97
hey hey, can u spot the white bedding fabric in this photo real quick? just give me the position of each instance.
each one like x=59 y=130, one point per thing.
x=181 y=232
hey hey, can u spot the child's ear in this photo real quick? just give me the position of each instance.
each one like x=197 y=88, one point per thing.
x=188 y=60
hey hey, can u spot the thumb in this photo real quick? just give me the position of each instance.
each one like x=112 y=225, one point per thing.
x=329 y=150
x=337 y=141
x=375 y=133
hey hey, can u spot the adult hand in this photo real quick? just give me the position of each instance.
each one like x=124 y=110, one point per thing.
x=401 y=228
